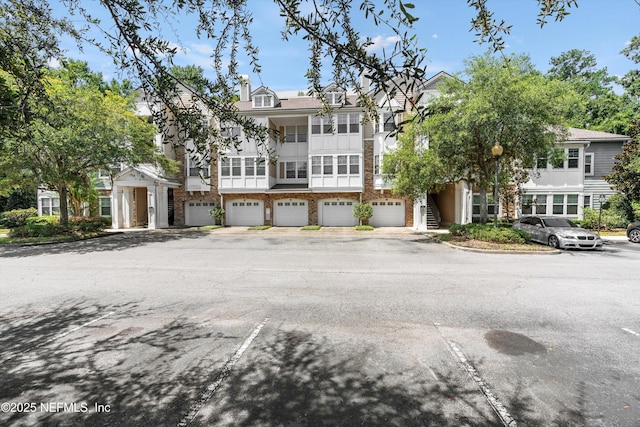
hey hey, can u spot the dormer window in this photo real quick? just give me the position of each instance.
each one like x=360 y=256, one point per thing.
x=262 y=101
x=334 y=98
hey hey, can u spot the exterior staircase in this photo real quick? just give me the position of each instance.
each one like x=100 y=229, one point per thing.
x=433 y=214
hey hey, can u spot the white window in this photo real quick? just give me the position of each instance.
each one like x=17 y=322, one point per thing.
x=196 y=167
x=558 y=204
x=342 y=165
x=104 y=204
x=262 y=101
x=354 y=165
x=294 y=134
x=50 y=205
x=334 y=98
x=376 y=164
x=254 y=166
x=388 y=123
x=225 y=167
x=573 y=158
x=476 y=205
x=293 y=170
x=343 y=123
x=316 y=165
x=558 y=159
x=327 y=165
x=231 y=131
x=236 y=166
x=586 y=201
x=540 y=204
x=541 y=162
x=572 y=204
x=527 y=204
x=354 y=123
x=250 y=166
x=588 y=164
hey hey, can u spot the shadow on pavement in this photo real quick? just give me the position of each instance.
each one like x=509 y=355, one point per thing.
x=112 y=242
x=152 y=378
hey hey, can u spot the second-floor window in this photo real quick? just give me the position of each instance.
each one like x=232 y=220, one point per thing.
x=588 y=164
x=388 y=122
x=573 y=158
x=293 y=170
x=321 y=125
x=376 y=164
x=295 y=134
x=254 y=166
x=197 y=168
x=349 y=123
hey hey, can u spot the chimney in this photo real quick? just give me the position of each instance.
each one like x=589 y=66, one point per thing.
x=365 y=82
x=245 y=88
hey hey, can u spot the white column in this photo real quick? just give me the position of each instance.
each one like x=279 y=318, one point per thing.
x=151 y=207
x=162 y=212
x=116 y=218
x=127 y=206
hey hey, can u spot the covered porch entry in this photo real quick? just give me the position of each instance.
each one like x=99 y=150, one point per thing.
x=140 y=197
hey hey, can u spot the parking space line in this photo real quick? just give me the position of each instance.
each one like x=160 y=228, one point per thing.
x=57 y=337
x=501 y=411
x=631 y=332
x=226 y=369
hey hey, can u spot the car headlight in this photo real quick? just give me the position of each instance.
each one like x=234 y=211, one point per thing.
x=566 y=236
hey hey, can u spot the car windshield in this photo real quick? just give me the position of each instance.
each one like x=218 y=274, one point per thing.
x=557 y=222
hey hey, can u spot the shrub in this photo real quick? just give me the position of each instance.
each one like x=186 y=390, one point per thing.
x=38 y=230
x=86 y=224
x=362 y=211
x=42 y=220
x=217 y=214
x=488 y=233
x=611 y=218
x=17 y=217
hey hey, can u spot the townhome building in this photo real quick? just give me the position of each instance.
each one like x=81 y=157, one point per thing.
x=574 y=179
x=315 y=167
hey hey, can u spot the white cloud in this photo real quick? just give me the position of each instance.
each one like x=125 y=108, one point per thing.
x=435 y=36
x=54 y=63
x=379 y=42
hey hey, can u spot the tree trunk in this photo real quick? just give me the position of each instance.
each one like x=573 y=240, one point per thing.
x=64 y=205
x=483 y=205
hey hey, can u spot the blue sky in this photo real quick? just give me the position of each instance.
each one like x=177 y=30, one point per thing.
x=602 y=27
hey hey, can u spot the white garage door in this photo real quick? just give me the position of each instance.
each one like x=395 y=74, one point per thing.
x=196 y=212
x=244 y=212
x=337 y=213
x=387 y=213
x=291 y=213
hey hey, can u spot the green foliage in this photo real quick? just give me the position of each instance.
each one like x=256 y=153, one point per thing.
x=17 y=217
x=217 y=214
x=364 y=228
x=412 y=169
x=611 y=218
x=488 y=233
x=260 y=227
x=501 y=101
x=38 y=230
x=362 y=211
x=43 y=220
x=625 y=175
x=311 y=227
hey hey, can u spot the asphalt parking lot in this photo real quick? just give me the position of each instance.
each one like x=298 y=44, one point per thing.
x=280 y=328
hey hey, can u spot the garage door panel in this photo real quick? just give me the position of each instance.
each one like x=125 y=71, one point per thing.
x=291 y=213
x=388 y=213
x=244 y=212
x=196 y=213
x=337 y=213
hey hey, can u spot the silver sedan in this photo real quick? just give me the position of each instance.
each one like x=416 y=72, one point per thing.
x=558 y=232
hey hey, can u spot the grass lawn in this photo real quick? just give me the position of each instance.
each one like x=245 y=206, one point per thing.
x=68 y=237
x=311 y=227
x=260 y=227
x=210 y=227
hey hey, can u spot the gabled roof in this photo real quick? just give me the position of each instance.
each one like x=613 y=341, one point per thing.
x=593 y=135
x=144 y=173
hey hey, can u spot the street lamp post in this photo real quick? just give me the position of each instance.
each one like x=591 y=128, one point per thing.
x=601 y=199
x=496 y=151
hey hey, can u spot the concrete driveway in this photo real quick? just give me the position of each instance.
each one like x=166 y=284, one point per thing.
x=275 y=328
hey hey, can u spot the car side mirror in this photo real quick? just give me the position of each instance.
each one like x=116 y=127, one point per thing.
x=539 y=225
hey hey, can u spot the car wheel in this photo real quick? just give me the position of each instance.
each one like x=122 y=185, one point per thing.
x=634 y=235
x=553 y=242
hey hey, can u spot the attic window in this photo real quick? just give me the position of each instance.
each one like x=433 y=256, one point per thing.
x=334 y=98
x=262 y=101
